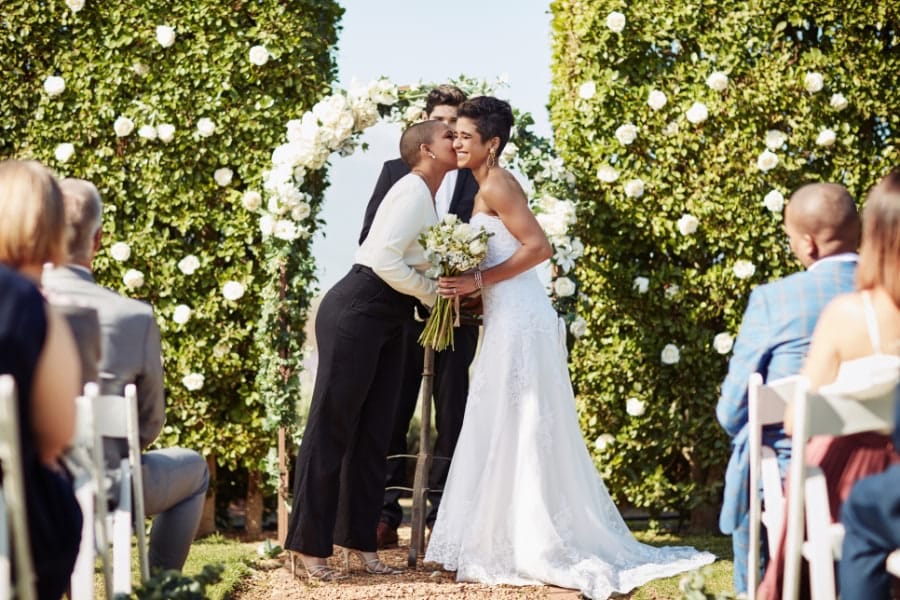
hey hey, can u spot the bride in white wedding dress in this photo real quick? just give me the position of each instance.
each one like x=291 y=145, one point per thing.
x=523 y=503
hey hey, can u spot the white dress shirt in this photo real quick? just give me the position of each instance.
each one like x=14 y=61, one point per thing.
x=392 y=248
x=444 y=195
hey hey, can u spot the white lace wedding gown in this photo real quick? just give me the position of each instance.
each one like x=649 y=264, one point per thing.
x=523 y=503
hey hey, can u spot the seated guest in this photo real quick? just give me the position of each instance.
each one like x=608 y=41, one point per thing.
x=855 y=340
x=871 y=514
x=175 y=479
x=822 y=224
x=37 y=349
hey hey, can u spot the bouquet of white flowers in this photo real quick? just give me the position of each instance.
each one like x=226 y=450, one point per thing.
x=452 y=247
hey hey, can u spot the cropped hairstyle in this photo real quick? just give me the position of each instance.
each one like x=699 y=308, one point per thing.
x=446 y=94
x=493 y=118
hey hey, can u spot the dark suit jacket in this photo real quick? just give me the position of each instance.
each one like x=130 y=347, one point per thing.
x=393 y=170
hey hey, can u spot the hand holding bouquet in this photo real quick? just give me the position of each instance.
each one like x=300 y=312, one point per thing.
x=452 y=247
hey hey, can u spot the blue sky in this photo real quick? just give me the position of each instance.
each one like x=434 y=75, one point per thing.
x=417 y=40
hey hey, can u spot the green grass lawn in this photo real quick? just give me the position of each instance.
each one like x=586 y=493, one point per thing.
x=237 y=559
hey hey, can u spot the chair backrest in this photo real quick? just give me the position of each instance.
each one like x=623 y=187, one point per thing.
x=823 y=414
x=13 y=496
x=766 y=405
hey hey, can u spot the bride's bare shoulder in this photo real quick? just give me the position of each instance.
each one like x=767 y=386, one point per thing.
x=500 y=184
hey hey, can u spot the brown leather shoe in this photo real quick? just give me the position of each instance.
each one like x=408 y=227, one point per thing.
x=386 y=536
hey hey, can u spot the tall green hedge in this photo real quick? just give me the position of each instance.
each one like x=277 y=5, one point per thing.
x=681 y=202
x=164 y=67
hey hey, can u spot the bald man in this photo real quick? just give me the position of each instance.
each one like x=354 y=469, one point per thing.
x=823 y=227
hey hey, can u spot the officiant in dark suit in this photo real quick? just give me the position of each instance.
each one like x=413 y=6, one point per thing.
x=456 y=196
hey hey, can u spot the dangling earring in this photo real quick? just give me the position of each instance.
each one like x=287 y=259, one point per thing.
x=431 y=154
x=492 y=158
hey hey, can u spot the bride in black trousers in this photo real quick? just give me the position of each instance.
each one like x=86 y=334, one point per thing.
x=340 y=470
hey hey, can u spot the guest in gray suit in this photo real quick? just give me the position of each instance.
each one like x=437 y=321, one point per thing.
x=175 y=479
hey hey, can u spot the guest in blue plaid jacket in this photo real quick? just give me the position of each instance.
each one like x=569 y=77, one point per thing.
x=823 y=226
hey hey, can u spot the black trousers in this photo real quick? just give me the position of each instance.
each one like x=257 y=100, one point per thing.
x=451 y=388
x=340 y=469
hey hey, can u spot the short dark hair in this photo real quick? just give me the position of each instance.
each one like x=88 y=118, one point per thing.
x=493 y=117
x=412 y=139
x=446 y=94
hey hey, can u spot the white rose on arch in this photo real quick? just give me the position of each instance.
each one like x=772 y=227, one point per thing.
x=193 y=381
x=670 y=354
x=120 y=251
x=123 y=126
x=635 y=407
x=165 y=132
x=147 y=132
x=578 y=327
x=54 y=85
x=587 y=90
x=774 y=201
x=775 y=139
x=564 y=287
x=766 y=161
x=251 y=200
x=181 y=314
x=615 y=21
x=607 y=174
x=656 y=99
x=626 y=134
x=259 y=55
x=723 y=342
x=232 y=290
x=189 y=264
x=64 y=152
x=688 y=224
x=165 y=35
x=813 y=82
x=223 y=176
x=206 y=127
x=743 y=269
x=826 y=138
x=133 y=279
x=717 y=81
x=634 y=188
x=697 y=113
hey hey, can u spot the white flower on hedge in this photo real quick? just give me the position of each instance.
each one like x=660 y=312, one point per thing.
x=64 y=152
x=697 y=113
x=626 y=134
x=603 y=440
x=165 y=35
x=223 y=176
x=266 y=225
x=509 y=153
x=717 y=81
x=723 y=342
x=564 y=287
x=672 y=290
x=767 y=160
x=774 y=201
x=259 y=55
x=189 y=264
x=615 y=21
x=75 y=5
x=193 y=381
x=688 y=224
x=140 y=68
x=743 y=269
x=656 y=99
x=251 y=200
x=826 y=138
x=813 y=82
x=671 y=128
x=133 y=279
x=578 y=327
x=286 y=230
x=640 y=285
x=607 y=174
x=634 y=188
x=232 y=290
x=303 y=210
x=54 y=85
x=166 y=132
x=181 y=314
x=206 y=127
x=587 y=90
x=670 y=354
x=775 y=139
x=635 y=407
x=123 y=126
x=838 y=101
x=120 y=251
x=148 y=132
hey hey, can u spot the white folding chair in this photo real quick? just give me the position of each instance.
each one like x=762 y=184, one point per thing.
x=818 y=414
x=13 y=517
x=766 y=406
x=110 y=416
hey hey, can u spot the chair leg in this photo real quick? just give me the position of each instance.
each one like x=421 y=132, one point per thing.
x=122 y=539
x=82 y=581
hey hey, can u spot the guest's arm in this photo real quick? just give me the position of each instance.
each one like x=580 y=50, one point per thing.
x=750 y=354
x=57 y=378
x=150 y=390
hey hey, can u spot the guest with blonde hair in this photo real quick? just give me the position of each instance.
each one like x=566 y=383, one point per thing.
x=37 y=349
